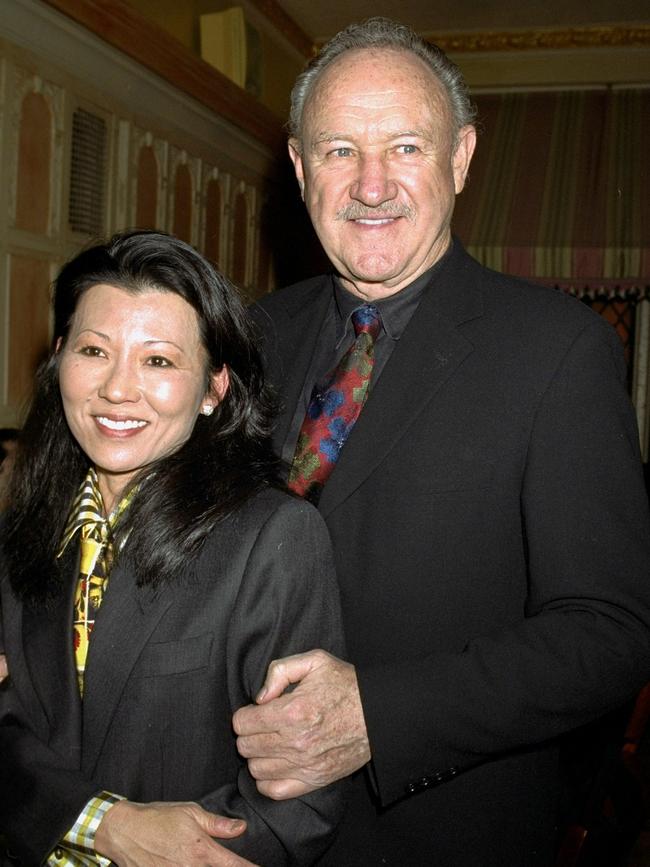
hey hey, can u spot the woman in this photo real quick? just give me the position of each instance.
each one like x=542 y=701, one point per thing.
x=143 y=514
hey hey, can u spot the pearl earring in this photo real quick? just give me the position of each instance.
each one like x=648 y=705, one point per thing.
x=207 y=409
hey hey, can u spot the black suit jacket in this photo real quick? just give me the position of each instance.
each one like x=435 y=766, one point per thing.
x=165 y=672
x=492 y=544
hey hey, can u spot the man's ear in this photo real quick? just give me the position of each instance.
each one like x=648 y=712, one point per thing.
x=463 y=156
x=295 y=155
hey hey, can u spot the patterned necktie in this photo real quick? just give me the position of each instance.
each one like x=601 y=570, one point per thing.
x=334 y=408
x=95 y=541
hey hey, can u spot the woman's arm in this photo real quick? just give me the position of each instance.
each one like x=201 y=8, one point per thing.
x=288 y=602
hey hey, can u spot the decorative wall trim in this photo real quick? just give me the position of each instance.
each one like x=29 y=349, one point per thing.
x=286 y=25
x=527 y=40
x=123 y=27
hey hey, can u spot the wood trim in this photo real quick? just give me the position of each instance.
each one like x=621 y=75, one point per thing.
x=123 y=27
x=526 y=40
x=286 y=25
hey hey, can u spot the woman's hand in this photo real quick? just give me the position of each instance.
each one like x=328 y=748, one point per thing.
x=162 y=834
x=4 y=671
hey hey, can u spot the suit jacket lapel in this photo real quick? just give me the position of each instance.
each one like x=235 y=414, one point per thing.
x=306 y=319
x=124 y=624
x=431 y=345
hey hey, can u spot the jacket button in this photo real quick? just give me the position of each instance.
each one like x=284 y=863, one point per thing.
x=432 y=780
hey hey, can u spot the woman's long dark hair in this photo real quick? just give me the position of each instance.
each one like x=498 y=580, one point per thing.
x=182 y=496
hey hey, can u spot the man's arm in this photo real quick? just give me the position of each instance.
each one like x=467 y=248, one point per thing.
x=583 y=647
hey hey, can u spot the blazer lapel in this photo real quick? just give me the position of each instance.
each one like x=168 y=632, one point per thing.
x=431 y=346
x=305 y=323
x=124 y=625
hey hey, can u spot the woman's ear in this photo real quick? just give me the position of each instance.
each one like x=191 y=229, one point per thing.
x=58 y=345
x=219 y=382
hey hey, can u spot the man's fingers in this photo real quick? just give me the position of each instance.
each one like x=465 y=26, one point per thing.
x=269 y=716
x=260 y=720
x=274 y=769
x=283 y=672
x=269 y=745
x=282 y=790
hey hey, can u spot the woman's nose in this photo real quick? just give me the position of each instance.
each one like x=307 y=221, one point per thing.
x=121 y=383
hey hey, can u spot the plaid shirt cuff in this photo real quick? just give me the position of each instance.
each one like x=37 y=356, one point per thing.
x=77 y=847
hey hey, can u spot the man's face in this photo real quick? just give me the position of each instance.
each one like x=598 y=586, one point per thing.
x=378 y=168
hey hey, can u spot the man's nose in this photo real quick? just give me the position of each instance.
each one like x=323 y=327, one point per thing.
x=373 y=185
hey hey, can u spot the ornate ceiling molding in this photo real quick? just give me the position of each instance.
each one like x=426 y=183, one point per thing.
x=527 y=40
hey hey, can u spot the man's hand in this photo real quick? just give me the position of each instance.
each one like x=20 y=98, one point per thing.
x=4 y=671
x=307 y=738
x=165 y=834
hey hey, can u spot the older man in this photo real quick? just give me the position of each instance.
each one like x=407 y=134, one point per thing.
x=469 y=441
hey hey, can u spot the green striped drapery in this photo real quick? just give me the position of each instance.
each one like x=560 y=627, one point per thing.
x=559 y=189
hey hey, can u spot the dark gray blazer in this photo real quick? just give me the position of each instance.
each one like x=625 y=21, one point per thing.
x=492 y=544
x=164 y=674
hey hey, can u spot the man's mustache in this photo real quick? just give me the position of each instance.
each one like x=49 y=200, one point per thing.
x=357 y=211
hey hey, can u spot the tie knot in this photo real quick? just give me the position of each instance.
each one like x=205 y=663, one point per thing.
x=366 y=320
x=98 y=529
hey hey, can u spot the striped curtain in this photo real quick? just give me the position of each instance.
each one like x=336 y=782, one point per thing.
x=559 y=189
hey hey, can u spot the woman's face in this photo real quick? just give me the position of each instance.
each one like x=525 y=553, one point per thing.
x=132 y=380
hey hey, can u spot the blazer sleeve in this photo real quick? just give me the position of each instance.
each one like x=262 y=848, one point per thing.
x=583 y=644
x=287 y=603
x=34 y=778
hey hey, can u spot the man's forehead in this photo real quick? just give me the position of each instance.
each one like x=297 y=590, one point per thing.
x=392 y=89
x=373 y=70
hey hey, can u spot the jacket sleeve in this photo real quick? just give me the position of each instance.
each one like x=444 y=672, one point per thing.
x=287 y=603
x=34 y=778
x=582 y=646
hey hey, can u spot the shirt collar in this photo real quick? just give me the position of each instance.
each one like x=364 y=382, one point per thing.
x=396 y=310
x=88 y=507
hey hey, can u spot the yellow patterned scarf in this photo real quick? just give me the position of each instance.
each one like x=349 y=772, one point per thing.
x=96 y=543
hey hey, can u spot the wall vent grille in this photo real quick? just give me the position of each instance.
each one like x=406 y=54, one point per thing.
x=87 y=173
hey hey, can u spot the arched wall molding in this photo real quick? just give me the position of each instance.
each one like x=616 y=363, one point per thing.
x=23 y=84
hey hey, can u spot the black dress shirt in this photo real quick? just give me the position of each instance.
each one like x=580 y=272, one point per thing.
x=337 y=335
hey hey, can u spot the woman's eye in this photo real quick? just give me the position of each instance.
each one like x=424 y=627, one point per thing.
x=91 y=351
x=158 y=361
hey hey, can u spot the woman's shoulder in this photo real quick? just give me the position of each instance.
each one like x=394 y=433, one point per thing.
x=270 y=510
x=277 y=505
x=271 y=527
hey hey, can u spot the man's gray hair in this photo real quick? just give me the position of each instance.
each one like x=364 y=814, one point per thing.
x=384 y=33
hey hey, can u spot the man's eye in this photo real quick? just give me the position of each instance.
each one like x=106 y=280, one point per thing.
x=342 y=152
x=407 y=149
